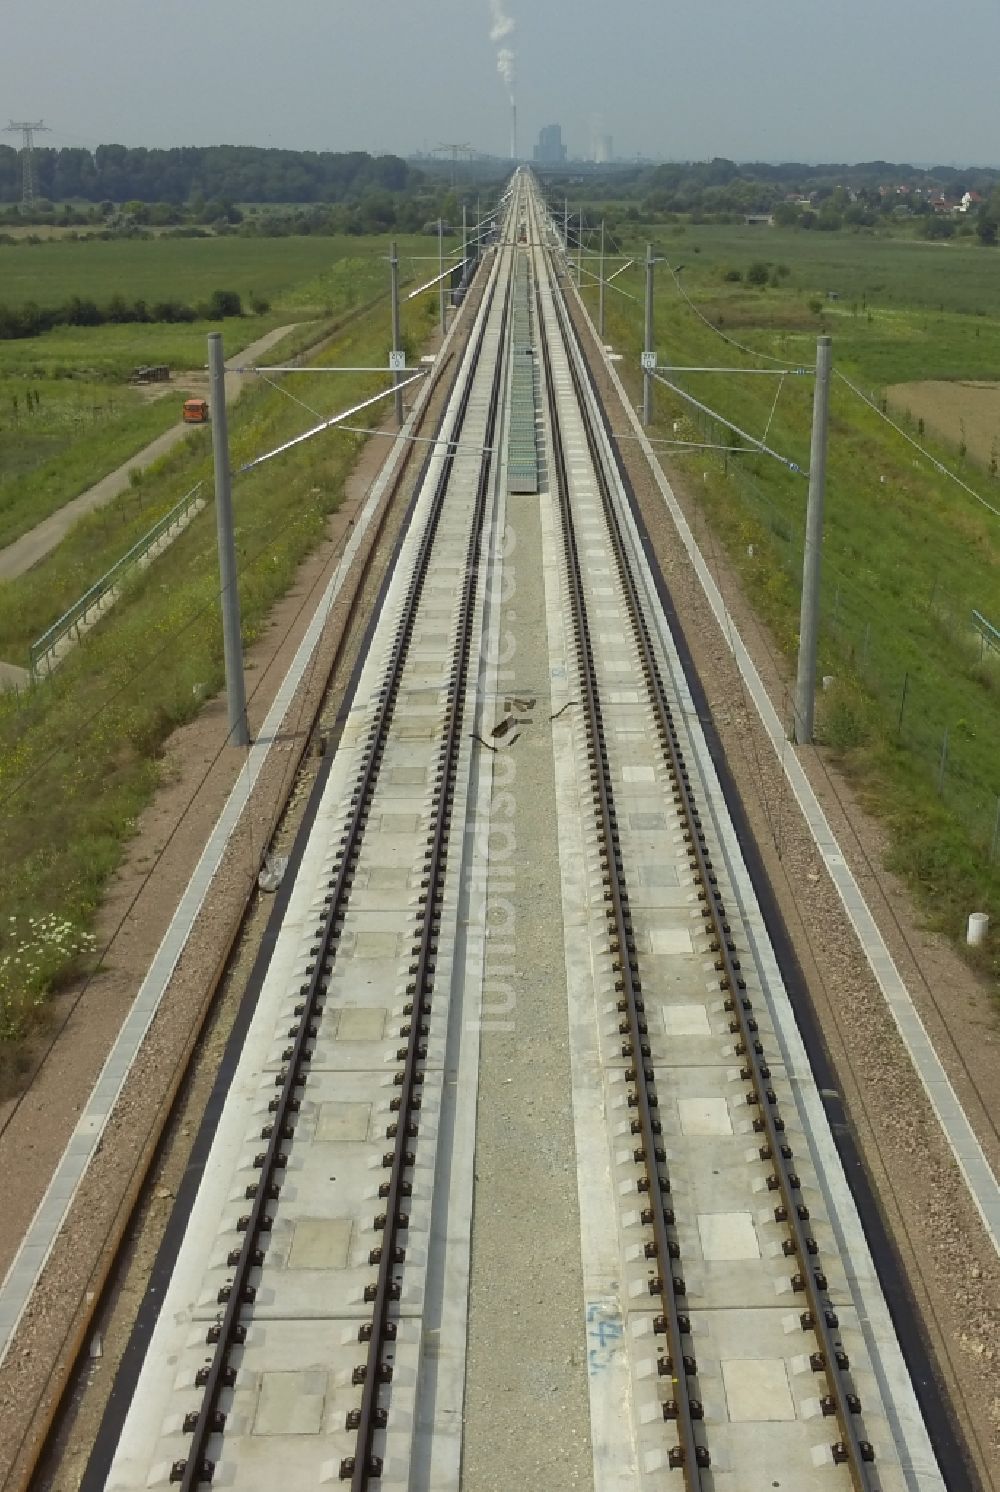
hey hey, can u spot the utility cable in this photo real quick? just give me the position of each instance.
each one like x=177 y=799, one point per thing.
x=335 y=424
x=752 y=351
x=327 y=424
x=765 y=450
x=767 y=427
x=610 y=285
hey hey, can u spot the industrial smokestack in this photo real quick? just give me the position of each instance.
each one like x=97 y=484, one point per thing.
x=513 y=130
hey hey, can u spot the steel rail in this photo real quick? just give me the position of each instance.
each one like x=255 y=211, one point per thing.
x=228 y=1331
x=842 y=1400
x=689 y=1455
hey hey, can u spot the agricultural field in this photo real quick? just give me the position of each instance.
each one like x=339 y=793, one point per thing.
x=285 y=271
x=910 y=273
x=909 y=555
x=965 y=414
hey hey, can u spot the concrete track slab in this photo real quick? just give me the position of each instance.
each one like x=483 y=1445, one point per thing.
x=276 y=1435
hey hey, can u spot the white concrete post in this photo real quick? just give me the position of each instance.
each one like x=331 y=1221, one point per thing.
x=396 y=377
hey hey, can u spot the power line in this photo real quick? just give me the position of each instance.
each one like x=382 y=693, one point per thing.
x=753 y=351
x=27 y=131
x=456 y=150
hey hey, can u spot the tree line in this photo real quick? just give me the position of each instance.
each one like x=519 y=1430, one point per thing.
x=825 y=197
x=30 y=319
x=229 y=173
x=376 y=212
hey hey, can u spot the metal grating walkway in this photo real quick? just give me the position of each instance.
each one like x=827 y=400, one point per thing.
x=522 y=441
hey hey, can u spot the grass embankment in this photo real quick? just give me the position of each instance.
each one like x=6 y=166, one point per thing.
x=79 y=754
x=915 y=708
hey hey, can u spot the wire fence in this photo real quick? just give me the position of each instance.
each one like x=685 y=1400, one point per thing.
x=921 y=669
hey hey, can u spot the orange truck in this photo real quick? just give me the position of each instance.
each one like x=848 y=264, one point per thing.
x=195 y=411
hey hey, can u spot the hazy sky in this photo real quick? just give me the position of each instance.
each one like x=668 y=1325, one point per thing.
x=773 y=79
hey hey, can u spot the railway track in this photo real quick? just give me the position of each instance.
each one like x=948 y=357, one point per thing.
x=304 y=1335
x=677 y=1363
x=389 y=1253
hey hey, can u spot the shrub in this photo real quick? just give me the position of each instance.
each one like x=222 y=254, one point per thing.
x=846 y=716
x=224 y=303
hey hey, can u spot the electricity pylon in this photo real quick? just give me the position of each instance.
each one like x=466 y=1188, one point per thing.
x=27 y=132
x=456 y=151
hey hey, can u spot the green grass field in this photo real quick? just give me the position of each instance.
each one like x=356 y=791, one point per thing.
x=86 y=421
x=905 y=308
x=908 y=555
x=905 y=272
x=108 y=354
x=49 y=451
x=305 y=272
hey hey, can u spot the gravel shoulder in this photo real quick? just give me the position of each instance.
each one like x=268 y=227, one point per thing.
x=953 y=1272
x=527 y=1416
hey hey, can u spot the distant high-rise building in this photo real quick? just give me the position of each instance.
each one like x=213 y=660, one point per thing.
x=604 y=150
x=550 y=150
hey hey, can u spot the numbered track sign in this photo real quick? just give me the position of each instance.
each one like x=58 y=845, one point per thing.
x=397 y=362
x=649 y=362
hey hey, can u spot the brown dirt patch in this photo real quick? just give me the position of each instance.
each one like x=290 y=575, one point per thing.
x=960 y=412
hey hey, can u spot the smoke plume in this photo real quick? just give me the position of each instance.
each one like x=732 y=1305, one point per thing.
x=503 y=24
x=503 y=27
x=505 y=67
